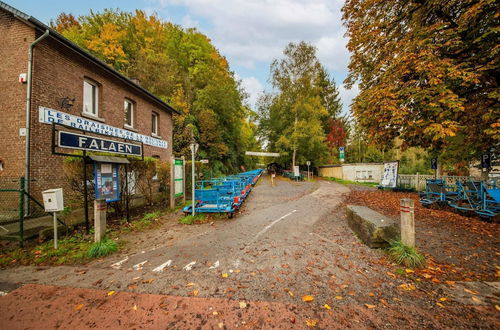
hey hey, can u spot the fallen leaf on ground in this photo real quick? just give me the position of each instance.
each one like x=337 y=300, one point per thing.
x=450 y=282
x=225 y=275
x=470 y=291
x=408 y=271
x=371 y=294
x=497 y=308
x=327 y=306
x=308 y=298
x=427 y=276
x=370 y=306
x=391 y=274
x=190 y=284
x=443 y=299
x=151 y=280
x=78 y=307
x=338 y=297
x=195 y=293
x=110 y=293
x=477 y=300
x=407 y=287
x=134 y=308
x=243 y=304
x=311 y=323
x=440 y=305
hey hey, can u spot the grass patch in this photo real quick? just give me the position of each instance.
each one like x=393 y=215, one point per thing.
x=189 y=219
x=145 y=222
x=367 y=184
x=103 y=248
x=71 y=250
x=405 y=255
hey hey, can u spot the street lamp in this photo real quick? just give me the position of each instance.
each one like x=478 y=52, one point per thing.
x=194 y=149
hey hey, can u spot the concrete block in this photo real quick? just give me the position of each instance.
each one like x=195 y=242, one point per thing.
x=373 y=228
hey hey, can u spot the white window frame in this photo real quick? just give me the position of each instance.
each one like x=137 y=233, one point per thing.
x=154 y=123
x=132 y=110
x=95 y=111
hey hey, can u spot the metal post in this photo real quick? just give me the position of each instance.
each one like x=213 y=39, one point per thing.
x=172 y=182
x=21 y=212
x=127 y=194
x=183 y=180
x=85 y=195
x=55 y=230
x=193 y=180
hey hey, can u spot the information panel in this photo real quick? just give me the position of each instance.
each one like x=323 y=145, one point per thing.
x=178 y=177
x=390 y=175
x=106 y=182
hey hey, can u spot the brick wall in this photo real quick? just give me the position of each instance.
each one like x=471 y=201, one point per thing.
x=15 y=39
x=59 y=72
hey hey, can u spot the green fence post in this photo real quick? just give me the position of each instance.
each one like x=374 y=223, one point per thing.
x=21 y=212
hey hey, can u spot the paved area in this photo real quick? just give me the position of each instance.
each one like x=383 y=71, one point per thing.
x=288 y=260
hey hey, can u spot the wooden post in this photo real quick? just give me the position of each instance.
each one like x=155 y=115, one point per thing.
x=172 y=182
x=407 y=222
x=99 y=219
x=417 y=184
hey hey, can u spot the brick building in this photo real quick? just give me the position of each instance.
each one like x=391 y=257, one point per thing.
x=66 y=80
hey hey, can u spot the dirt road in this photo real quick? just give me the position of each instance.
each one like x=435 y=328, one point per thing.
x=291 y=241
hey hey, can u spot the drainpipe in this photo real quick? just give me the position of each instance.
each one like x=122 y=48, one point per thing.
x=28 y=113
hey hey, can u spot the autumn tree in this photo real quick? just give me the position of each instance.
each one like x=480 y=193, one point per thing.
x=294 y=119
x=427 y=72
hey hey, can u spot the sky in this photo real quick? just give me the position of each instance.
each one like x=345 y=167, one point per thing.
x=249 y=33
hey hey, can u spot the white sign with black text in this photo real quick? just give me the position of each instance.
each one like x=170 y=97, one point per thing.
x=49 y=116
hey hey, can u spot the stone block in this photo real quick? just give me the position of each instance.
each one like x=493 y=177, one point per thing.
x=373 y=228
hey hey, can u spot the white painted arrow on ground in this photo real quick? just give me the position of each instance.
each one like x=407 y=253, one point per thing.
x=161 y=267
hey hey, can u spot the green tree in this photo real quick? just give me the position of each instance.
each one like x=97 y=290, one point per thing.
x=294 y=120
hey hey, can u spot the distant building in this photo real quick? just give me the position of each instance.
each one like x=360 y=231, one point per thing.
x=360 y=172
x=71 y=86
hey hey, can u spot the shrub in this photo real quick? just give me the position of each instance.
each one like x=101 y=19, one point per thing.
x=405 y=255
x=102 y=248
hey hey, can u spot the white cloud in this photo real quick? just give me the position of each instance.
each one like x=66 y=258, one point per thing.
x=253 y=87
x=347 y=95
x=189 y=22
x=251 y=33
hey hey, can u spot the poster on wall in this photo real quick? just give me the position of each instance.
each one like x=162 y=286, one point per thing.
x=390 y=174
x=106 y=182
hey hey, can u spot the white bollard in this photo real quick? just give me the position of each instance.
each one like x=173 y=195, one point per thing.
x=407 y=210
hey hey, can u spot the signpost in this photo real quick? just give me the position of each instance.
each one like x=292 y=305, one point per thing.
x=296 y=172
x=194 y=149
x=308 y=164
x=341 y=154
x=177 y=183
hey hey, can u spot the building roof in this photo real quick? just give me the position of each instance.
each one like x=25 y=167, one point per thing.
x=30 y=20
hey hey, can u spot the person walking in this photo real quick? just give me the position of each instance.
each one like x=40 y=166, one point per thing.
x=273 y=176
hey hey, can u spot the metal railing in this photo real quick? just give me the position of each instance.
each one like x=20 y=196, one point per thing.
x=418 y=181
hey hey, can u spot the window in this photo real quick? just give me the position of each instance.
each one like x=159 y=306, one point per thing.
x=129 y=113
x=90 y=98
x=154 y=123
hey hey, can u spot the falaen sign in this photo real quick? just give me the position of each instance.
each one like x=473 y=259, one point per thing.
x=85 y=142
